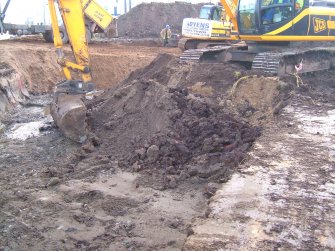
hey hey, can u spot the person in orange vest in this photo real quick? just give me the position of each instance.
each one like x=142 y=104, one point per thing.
x=166 y=35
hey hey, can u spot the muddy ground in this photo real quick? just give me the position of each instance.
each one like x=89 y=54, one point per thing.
x=282 y=197
x=118 y=192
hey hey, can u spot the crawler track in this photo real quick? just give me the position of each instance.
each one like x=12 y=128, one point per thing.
x=282 y=63
x=196 y=55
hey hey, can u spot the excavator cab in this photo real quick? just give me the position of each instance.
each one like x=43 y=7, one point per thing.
x=286 y=20
x=264 y=16
x=211 y=12
x=271 y=29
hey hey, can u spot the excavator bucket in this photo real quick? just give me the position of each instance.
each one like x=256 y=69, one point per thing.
x=69 y=114
x=68 y=109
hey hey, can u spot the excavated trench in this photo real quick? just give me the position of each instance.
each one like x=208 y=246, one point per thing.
x=161 y=142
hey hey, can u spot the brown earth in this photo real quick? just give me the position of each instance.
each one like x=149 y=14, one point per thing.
x=161 y=143
x=111 y=63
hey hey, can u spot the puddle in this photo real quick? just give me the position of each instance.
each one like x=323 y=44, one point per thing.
x=314 y=124
x=24 y=131
x=28 y=121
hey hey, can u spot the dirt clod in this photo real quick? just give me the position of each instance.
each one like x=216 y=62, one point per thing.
x=152 y=153
x=53 y=182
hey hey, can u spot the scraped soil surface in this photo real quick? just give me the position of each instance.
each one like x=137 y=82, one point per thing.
x=161 y=142
x=36 y=61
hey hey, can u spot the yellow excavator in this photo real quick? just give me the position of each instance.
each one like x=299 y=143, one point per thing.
x=211 y=28
x=67 y=108
x=281 y=36
x=201 y=36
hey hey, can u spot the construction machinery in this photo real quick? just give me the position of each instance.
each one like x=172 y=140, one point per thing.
x=68 y=109
x=211 y=28
x=2 y=17
x=97 y=20
x=202 y=35
x=281 y=36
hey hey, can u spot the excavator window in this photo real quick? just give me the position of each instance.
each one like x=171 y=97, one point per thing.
x=247 y=9
x=299 y=4
x=217 y=14
x=211 y=12
x=275 y=11
x=205 y=12
x=265 y=3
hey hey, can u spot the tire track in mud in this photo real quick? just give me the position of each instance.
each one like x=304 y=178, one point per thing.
x=284 y=196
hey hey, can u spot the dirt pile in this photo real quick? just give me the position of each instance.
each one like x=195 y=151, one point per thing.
x=147 y=19
x=153 y=121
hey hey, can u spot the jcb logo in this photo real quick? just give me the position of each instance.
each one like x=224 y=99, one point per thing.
x=319 y=25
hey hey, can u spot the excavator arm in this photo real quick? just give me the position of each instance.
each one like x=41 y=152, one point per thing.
x=74 y=22
x=67 y=108
x=230 y=7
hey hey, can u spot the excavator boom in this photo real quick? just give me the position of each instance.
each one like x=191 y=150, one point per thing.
x=74 y=22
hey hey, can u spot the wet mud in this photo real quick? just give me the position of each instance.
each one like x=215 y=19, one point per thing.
x=282 y=197
x=163 y=144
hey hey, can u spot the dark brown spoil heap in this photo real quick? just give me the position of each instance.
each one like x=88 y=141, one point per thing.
x=148 y=19
x=153 y=122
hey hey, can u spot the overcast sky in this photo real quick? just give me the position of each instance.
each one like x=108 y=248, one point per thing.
x=20 y=11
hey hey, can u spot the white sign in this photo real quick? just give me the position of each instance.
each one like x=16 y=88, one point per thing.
x=193 y=27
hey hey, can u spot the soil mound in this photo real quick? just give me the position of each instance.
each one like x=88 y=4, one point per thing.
x=148 y=19
x=151 y=121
